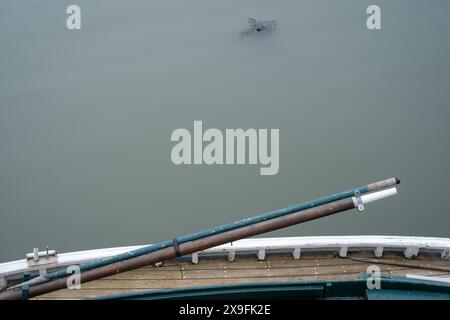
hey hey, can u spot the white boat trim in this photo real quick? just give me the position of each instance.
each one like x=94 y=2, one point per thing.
x=295 y=245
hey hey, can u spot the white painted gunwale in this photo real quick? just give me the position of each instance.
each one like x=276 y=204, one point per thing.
x=258 y=245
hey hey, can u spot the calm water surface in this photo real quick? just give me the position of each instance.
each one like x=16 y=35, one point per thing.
x=86 y=116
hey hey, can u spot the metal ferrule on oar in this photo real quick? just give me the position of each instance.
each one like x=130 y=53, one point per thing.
x=310 y=210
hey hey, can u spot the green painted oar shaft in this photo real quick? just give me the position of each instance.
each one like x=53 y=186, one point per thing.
x=230 y=226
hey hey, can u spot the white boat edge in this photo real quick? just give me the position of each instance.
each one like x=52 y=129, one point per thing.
x=378 y=244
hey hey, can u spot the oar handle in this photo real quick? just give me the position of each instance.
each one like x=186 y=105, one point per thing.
x=383 y=184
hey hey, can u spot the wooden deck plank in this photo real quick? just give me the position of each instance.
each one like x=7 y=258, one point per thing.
x=274 y=263
x=280 y=272
x=182 y=273
x=147 y=274
x=267 y=269
x=158 y=285
x=93 y=292
x=202 y=279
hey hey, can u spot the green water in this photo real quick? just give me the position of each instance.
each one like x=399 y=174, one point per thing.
x=86 y=116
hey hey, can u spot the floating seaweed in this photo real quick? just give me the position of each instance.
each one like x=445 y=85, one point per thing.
x=257 y=26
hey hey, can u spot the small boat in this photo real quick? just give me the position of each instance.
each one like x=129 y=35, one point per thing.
x=224 y=262
x=411 y=267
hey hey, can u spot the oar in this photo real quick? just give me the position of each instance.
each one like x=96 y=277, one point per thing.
x=179 y=248
x=231 y=226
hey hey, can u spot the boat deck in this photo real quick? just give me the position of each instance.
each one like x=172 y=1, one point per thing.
x=247 y=268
